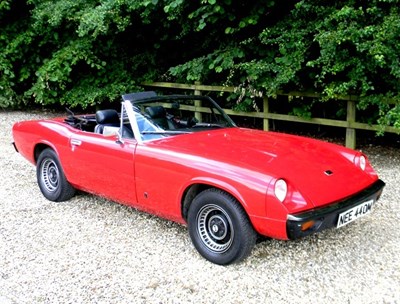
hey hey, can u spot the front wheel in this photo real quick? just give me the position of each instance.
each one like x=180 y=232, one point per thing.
x=51 y=179
x=219 y=227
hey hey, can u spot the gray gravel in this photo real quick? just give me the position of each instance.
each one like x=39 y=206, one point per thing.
x=91 y=250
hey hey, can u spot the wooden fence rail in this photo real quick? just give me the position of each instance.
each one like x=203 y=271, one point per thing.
x=350 y=123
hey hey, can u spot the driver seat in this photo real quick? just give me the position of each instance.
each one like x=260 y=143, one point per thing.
x=108 y=118
x=158 y=115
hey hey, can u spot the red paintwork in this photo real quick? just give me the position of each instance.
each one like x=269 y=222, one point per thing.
x=153 y=176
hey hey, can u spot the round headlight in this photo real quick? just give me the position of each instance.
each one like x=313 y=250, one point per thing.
x=281 y=190
x=363 y=162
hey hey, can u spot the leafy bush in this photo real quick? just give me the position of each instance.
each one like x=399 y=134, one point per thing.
x=85 y=52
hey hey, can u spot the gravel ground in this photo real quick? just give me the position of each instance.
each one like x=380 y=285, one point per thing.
x=91 y=250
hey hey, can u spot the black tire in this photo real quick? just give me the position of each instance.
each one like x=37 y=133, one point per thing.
x=51 y=179
x=219 y=227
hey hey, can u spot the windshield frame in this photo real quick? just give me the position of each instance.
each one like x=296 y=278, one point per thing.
x=131 y=108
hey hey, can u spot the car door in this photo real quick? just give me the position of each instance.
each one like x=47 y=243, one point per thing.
x=103 y=165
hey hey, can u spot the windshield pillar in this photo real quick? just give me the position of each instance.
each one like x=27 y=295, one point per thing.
x=127 y=105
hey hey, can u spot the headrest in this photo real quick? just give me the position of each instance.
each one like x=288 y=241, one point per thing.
x=107 y=117
x=156 y=112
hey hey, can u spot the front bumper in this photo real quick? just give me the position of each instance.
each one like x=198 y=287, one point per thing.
x=309 y=222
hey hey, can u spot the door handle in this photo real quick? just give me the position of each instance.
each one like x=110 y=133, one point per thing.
x=76 y=142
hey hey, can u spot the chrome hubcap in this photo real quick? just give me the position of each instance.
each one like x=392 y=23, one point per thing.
x=215 y=228
x=50 y=175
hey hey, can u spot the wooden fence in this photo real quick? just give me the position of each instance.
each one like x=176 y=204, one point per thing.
x=350 y=124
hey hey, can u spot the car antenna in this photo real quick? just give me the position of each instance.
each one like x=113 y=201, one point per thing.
x=70 y=112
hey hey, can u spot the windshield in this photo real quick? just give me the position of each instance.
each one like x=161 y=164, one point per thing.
x=168 y=116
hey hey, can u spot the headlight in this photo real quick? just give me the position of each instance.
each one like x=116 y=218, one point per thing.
x=280 y=190
x=360 y=161
x=363 y=162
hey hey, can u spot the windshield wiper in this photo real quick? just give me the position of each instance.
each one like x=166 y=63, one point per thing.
x=165 y=132
x=207 y=125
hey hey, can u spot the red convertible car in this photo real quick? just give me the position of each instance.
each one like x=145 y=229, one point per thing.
x=182 y=158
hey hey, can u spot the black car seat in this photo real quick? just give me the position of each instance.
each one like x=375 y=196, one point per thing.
x=111 y=118
x=158 y=115
x=106 y=118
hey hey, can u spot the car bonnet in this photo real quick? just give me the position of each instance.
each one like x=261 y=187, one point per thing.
x=321 y=171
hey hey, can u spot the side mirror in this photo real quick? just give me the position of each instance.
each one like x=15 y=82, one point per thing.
x=119 y=140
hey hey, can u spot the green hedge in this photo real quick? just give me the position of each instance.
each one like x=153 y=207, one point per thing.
x=85 y=52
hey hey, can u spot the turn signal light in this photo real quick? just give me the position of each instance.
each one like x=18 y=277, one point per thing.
x=307 y=225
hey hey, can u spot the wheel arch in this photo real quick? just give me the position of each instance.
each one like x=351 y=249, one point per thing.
x=50 y=175
x=39 y=148
x=192 y=190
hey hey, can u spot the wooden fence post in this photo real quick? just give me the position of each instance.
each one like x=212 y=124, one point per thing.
x=266 y=111
x=351 y=118
x=197 y=103
x=196 y=91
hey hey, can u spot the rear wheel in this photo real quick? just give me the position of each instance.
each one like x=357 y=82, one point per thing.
x=51 y=179
x=219 y=227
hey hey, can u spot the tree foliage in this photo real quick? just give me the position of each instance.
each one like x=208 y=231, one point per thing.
x=84 y=52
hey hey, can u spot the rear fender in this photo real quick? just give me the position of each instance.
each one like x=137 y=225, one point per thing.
x=39 y=147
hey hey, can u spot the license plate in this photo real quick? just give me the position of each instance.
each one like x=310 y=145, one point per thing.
x=354 y=213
